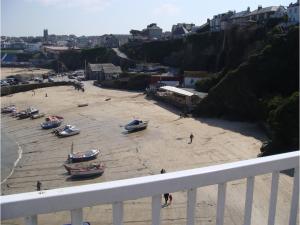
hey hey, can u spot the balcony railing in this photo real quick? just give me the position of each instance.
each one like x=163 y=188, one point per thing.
x=74 y=199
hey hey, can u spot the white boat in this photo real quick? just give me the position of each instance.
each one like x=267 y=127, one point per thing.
x=136 y=125
x=69 y=130
x=8 y=109
x=83 y=156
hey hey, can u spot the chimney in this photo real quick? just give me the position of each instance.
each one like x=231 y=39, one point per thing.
x=259 y=7
x=248 y=9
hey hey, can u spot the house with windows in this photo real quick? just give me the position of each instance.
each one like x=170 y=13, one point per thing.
x=220 y=22
x=101 y=72
x=293 y=12
x=262 y=14
x=240 y=18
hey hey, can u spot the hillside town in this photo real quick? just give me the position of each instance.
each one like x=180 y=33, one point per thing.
x=58 y=43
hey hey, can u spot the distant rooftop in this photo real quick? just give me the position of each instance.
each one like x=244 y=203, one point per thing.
x=265 y=10
x=105 y=67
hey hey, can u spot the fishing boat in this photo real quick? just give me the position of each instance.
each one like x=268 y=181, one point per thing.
x=8 y=109
x=28 y=112
x=79 y=165
x=36 y=116
x=52 y=122
x=87 y=172
x=68 y=130
x=136 y=125
x=83 y=156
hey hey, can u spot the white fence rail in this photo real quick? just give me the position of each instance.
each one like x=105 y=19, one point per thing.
x=29 y=205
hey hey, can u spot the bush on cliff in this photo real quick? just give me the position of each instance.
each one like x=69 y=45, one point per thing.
x=263 y=88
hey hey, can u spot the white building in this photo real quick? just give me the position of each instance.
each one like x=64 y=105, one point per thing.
x=293 y=12
x=33 y=47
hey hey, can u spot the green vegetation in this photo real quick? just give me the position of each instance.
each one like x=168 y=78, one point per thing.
x=73 y=59
x=263 y=88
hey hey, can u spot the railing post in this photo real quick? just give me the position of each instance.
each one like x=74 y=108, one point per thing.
x=118 y=213
x=295 y=198
x=156 y=206
x=248 y=201
x=76 y=216
x=273 y=198
x=191 y=205
x=221 y=204
x=31 y=220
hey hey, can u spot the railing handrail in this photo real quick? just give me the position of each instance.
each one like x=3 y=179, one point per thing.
x=33 y=203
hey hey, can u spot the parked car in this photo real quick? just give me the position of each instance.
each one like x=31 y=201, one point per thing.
x=50 y=79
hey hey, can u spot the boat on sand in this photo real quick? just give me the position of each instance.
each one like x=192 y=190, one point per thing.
x=52 y=122
x=136 y=125
x=66 y=131
x=96 y=170
x=80 y=165
x=83 y=156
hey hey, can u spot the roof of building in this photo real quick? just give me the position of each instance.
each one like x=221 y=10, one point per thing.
x=59 y=48
x=111 y=68
x=196 y=74
x=95 y=67
x=265 y=10
x=177 y=90
x=105 y=67
x=200 y=94
x=240 y=14
x=294 y=4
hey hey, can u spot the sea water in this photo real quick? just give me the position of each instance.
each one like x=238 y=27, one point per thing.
x=9 y=154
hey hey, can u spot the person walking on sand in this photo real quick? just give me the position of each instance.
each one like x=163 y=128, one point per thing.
x=38 y=185
x=167 y=196
x=46 y=95
x=191 y=138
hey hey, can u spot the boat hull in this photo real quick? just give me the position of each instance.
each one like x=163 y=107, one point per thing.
x=83 y=156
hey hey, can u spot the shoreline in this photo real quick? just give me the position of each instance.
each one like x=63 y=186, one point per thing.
x=20 y=153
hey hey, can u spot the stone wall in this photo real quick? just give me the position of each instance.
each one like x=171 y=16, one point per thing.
x=7 y=90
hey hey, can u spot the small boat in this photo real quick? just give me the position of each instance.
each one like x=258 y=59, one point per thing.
x=52 y=122
x=79 y=165
x=87 y=172
x=28 y=112
x=36 y=116
x=136 y=125
x=83 y=105
x=83 y=156
x=8 y=109
x=68 y=130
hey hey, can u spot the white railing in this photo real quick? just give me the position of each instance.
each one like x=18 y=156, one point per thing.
x=74 y=199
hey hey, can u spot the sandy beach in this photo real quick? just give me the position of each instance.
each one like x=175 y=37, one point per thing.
x=164 y=144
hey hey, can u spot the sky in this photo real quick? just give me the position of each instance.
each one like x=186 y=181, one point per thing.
x=98 y=17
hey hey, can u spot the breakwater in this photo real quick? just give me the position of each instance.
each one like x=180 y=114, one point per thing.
x=8 y=90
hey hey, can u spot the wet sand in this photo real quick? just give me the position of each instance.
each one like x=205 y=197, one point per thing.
x=164 y=144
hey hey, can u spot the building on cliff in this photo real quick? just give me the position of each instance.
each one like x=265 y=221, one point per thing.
x=293 y=13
